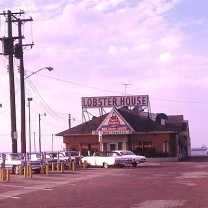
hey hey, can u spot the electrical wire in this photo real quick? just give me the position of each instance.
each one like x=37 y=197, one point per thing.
x=74 y=83
x=42 y=102
x=83 y=85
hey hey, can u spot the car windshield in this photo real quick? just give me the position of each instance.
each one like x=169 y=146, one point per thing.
x=127 y=153
x=74 y=153
x=61 y=154
x=113 y=154
x=53 y=155
x=35 y=156
x=67 y=154
x=17 y=156
x=48 y=156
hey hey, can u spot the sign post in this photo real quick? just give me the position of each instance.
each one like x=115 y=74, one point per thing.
x=100 y=134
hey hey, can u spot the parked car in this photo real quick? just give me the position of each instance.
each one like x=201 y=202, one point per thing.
x=73 y=156
x=54 y=157
x=105 y=159
x=135 y=159
x=14 y=160
x=38 y=157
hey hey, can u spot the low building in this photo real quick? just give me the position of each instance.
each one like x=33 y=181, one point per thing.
x=124 y=128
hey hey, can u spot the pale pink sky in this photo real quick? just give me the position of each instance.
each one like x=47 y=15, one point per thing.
x=159 y=47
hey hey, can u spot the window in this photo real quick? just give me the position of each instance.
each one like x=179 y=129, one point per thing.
x=165 y=147
x=112 y=147
x=120 y=146
x=104 y=147
x=143 y=145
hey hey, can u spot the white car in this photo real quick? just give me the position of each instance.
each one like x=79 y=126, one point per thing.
x=56 y=157
x=73 y=156
x=135 y=159
x=105 y=159
x=14 y=160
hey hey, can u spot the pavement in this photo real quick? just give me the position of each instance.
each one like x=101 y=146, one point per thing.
x=150 y=185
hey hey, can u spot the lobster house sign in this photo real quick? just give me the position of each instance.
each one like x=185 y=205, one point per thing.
x=114 y=124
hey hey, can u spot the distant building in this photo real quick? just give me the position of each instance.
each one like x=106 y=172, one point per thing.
x=152 y=135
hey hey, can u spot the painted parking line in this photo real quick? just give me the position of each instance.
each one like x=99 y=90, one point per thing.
x=13 y=197
x=28 y=187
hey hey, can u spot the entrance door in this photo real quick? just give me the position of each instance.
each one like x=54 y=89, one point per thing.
x=113 y=146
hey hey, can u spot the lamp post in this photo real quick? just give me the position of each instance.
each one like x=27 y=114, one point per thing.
x=29 y=99
x=52 y=143
x=48 y=67
x=23 y=131
x=40 y=131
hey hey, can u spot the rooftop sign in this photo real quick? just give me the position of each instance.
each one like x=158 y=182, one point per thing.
x=114 y=123
x=114 y=101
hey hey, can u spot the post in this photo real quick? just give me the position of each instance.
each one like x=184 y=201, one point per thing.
x=52 y=143
x=22 y=89
x=69 y=121
x=40 y=131
x=39 y=135
x=34 y=143
x=100 y=139
x=29 y=99
x=12 y=89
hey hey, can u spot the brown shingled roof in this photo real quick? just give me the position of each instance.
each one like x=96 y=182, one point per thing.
x=141 y=124
x=84 y=128
x=138 y=123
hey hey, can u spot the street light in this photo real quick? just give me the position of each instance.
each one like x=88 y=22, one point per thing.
x=40 y=131
x=23 y=128
x=29 y=99
x=49 y=69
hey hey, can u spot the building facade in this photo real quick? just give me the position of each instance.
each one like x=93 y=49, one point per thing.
x=126 y=129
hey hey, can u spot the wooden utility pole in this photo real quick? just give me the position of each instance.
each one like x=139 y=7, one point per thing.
x=18 y=51
x=8 y=51
x=19 y=56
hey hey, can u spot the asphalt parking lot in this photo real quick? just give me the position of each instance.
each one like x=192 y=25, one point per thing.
x=150 y=185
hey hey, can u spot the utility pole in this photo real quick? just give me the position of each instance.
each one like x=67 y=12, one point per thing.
x=18 y=51
x=19 y=55
x=69 y=121
x=22 y=89
x=8 y=51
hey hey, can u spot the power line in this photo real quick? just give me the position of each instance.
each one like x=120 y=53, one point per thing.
x=43 y=103
x=75 y=83
x=83 y=85
x=180 y=101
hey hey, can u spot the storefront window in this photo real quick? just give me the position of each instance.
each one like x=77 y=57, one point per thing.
x=143 y=145
x=88 y=149
x=143 y=148
x=105 y=147
x=165 y=147
x=112 y=147
x=120 y=146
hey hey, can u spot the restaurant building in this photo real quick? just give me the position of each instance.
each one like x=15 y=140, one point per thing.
x=126 y=128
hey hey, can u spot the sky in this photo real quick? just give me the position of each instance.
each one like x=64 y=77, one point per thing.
x=107 y=48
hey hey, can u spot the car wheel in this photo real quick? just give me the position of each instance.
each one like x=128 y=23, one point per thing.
x=105 y=165
x=88 y=165
x=134 y=164
x=37 y=171
x=16 y=170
